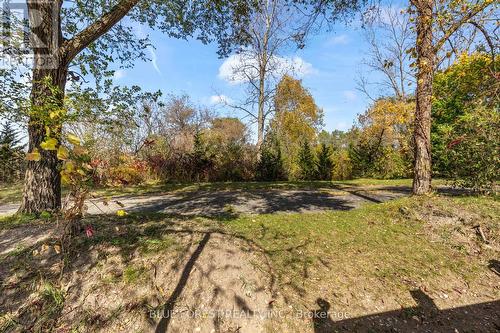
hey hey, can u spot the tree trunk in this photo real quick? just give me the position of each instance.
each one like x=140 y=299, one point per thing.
x=422 y=131
x=52 y=55
x=42 y=184
x=261 y=106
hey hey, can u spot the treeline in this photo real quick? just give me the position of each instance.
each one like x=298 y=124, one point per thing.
x=177 y=141
x=173 y=140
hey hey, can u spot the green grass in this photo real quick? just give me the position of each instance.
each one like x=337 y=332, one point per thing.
x=10 y=193
x=156 y=245
x=13 y=193
x=133 y=274
x=384 y=242
x=251 y=185
x=12 y=221
x=386 y=182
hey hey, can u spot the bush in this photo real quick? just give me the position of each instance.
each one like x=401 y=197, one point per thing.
x=473 y=150
x=128 y=172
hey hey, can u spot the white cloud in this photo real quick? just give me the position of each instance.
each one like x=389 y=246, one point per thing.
x=350 y=95
x=219 y=99
x=238 y=68
x=140 y=33
x=154 y=59
x=338 y=40
x=120 y=73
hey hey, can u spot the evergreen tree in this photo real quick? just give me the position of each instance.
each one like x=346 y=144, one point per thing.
x=325 y=164
x=11 y=154
x=306 y=162
x=201 y=161
x=270 y=166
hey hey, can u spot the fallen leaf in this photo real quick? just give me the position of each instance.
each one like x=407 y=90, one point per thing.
x=121 y=212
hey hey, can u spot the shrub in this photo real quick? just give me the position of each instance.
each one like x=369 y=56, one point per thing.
x=270 y=165
x=473 y=149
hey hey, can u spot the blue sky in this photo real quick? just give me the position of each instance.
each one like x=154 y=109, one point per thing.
x=181 y=66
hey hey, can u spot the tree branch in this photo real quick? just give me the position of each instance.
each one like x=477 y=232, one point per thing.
x=487 y=38
x=72 y=47
x=457 y=24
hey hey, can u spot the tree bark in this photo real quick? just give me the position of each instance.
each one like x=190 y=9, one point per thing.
x=52 y=55
x=42 y=185
x=261 y=104
x=422 y=131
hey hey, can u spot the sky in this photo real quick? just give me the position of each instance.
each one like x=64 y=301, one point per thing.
x=330 y=63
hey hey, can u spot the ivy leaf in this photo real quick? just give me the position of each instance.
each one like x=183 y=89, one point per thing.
x=62 y=153
x=73 y=139
x=49 y=144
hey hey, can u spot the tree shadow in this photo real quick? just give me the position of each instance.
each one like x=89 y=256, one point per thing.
x=230 y=204
x=494 y=266
x=123 y=239
x=425 y=317
x=168 y=307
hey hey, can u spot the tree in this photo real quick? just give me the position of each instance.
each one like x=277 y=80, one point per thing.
x=270 y=164
x=473 y=149
x=389 y=36
x=451 y=17
x=228 y=138
x=297 y=118
x=306 y=162
x=468 y=84
x=11 y=154
x=201 y=159
x=382 y=145
x=272 y=29
x=337 y=139
x=60 y=42
x=465 y=122
x=324 y=162
x=277 y=26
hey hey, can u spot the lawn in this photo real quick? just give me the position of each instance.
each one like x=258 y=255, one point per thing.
x=361 y=261
x=11 y=193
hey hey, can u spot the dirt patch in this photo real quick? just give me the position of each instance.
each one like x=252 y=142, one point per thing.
x=146 y=277
x=350 y=271
x=17 y=239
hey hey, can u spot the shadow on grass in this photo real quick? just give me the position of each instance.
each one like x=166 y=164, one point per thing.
x=21 y=271
x=168 y=308
x=425 y=317
x=228 y=204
